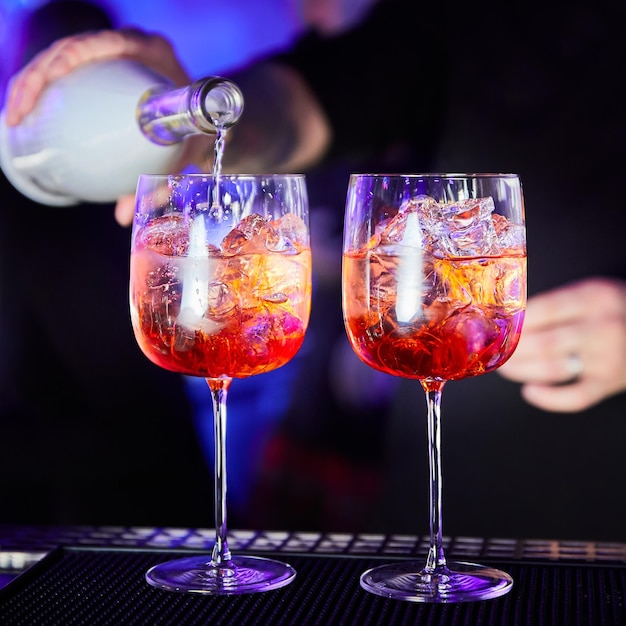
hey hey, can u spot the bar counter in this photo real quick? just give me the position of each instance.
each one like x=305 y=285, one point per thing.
x=95 y=575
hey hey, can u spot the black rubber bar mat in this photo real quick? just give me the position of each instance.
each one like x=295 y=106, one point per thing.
x=94 y=586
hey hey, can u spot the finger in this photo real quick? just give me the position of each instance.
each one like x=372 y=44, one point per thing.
x=52 y=63
x=69 y=53
x=544 y=355
x=578 y=396
x=549 y=372
x=590 y=298
x=554 y=307
x=124 y=210
x=21 y=97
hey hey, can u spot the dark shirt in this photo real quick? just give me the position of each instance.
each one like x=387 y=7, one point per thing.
x=534 y=89
x=380 y=85
x=91 y=432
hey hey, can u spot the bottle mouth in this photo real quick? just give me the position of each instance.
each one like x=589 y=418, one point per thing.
x=221 y=101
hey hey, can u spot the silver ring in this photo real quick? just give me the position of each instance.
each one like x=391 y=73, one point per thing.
x=575 y=365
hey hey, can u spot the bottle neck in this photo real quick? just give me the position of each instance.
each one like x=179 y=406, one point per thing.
x=166 y=116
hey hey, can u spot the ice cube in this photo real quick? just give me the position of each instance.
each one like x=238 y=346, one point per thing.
x=477 y=330
x=165 y=235
x=293 y=228
x=250 y=235
x=409 y=214
x=461 y=228
x=221 y=299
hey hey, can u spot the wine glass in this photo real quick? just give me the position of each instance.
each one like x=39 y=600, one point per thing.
x=434 y=289
x=220 y=287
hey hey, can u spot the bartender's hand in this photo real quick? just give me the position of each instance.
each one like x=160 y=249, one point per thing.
x=152 y=50
x=572 y=352
x=284 y=128
x=66 y=54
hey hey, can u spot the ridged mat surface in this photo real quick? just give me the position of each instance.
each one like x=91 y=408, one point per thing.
x=97 y=586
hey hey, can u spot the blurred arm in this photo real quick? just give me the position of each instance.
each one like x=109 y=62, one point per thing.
x=283 y=128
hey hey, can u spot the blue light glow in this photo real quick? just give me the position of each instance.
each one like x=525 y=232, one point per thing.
x=210 y=37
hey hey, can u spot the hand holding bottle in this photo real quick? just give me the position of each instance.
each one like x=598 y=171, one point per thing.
x=153 y=52
x=284 y=129
x=65 y=55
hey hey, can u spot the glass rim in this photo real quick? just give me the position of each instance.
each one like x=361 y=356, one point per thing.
x=229 y=176
x=449 y=175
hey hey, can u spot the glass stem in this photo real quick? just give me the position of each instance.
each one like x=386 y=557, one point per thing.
x=436 y=561
x=219 y=391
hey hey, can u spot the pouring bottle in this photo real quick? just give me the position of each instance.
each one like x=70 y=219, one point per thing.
x=95 y=130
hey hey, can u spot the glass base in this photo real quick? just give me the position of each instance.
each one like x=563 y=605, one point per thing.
x=242 y=574
x=459 y=582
